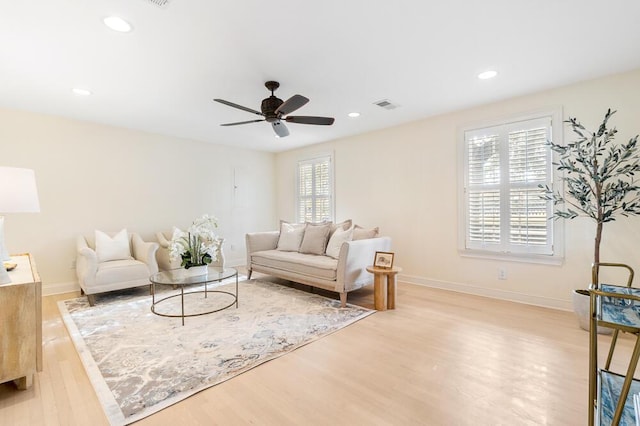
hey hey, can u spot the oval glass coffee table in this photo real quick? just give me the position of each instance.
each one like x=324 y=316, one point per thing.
x=181 y=278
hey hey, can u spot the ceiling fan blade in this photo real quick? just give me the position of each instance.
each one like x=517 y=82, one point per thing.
x=241 y=122
x=231 y=104
x=280 y=129
x=291 y=104
x=304 y=119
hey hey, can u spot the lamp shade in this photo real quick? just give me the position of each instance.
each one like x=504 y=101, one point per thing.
x=18 y=191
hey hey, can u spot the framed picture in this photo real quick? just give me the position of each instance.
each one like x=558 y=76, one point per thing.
x=383 y=259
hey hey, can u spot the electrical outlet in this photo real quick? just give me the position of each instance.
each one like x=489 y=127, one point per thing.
x=73 y=264
x=232 y=247
x=502 y=273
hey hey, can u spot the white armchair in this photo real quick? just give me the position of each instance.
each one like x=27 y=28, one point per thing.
x=99 y=276
x=162 y=255
x=164 y=259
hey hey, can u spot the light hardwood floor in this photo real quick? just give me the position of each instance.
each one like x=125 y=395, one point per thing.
x=440 y=358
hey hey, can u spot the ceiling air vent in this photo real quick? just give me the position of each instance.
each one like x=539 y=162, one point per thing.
x=386 y=104
x=160 y=3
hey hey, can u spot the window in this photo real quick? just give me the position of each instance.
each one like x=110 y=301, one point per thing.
x=315 y=190
x=504 y=213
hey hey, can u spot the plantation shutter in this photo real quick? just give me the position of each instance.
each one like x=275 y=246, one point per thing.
x=503 y=167
x=529 y=166
x=314 y=202
x=484 y=188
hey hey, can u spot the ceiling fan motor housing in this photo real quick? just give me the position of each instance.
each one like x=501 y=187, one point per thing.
x=269 y=107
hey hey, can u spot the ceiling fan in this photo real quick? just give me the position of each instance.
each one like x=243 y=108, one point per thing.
x=274 y=111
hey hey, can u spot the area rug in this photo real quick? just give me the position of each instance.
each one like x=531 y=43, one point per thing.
x=140 y=363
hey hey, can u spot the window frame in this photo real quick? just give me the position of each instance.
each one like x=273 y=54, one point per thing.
x=316 y=159
x=502 y=251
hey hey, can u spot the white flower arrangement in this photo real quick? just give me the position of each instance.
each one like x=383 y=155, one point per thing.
x=198 y=245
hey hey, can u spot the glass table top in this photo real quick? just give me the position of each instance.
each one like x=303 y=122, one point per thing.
x=181 y=276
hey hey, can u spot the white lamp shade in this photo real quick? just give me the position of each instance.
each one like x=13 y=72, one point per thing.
x=18 y=191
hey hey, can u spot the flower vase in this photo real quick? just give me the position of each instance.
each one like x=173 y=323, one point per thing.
x=196 y=270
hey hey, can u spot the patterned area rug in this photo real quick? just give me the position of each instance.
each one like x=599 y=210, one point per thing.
x=140 y=363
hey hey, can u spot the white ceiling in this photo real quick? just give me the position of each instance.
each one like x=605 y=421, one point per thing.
x=343 y=55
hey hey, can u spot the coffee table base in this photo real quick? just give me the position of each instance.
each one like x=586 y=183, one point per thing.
x=181 y=295
x=206 y=291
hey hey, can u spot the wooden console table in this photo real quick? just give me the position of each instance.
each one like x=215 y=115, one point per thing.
x=21 y=323
x=384 y=287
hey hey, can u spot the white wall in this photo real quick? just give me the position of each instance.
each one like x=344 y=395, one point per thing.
x=404 y=180
x=92 y=176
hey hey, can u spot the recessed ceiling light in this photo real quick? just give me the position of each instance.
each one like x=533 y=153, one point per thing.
x=354 y=114
x=117 y=24
x=487 y=74
x=81 y=92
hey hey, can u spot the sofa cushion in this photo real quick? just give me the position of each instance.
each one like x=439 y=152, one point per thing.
x=112 y=248
x=315 y=238
x=290 y=236
x=360 y=233
x=323 y=267
x=336 y=240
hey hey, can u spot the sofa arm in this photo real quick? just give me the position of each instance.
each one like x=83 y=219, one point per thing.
x=145 y=252
x=259 y=241
x=86 y=263
x=354 y=257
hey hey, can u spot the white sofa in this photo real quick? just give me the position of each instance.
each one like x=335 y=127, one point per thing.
x=342 y=274
x=131 y=266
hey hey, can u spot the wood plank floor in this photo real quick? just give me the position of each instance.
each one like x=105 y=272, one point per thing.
x=440 y=358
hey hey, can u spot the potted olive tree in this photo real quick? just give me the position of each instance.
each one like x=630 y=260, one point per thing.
x=599 y=183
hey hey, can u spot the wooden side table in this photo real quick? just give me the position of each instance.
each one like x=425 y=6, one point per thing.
x=21 y=323
x=384 y=287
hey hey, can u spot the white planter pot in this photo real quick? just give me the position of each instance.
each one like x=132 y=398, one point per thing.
x=196 y=270
x=580 y=299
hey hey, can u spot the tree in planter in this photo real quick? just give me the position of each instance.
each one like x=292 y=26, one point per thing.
x=599 y=177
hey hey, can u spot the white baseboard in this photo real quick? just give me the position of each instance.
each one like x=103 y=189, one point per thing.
x=546 y=302
x=564 y=305
x=49 y=289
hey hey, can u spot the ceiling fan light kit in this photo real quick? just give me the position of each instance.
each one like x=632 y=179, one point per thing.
x=274 y=110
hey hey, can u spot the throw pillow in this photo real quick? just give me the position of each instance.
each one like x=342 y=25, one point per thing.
x=290 y=236
x=315 y=238
x=324 y=222
x=360 y=233
x=112 y=248
x=339 y=237
x=342 y=225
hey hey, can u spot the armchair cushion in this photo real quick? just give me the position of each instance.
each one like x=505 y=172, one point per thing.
x=119 y=271
x=112 y=248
